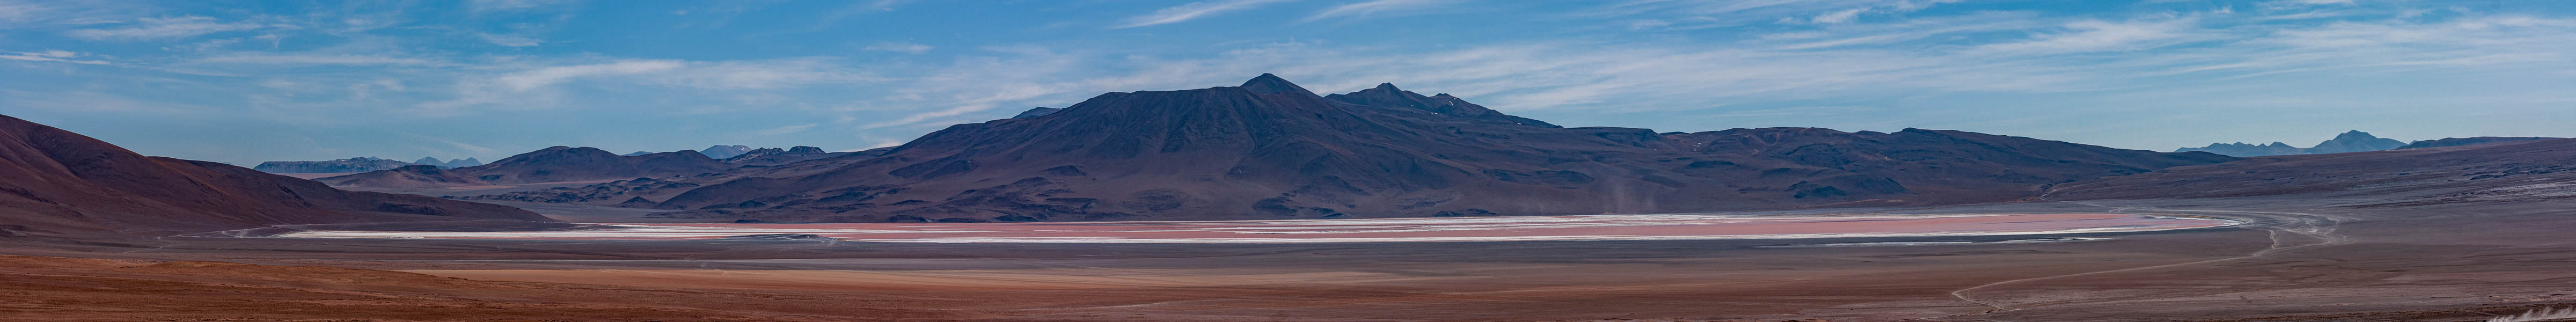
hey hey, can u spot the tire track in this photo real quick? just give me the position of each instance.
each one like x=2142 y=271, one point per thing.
x=2285 y=228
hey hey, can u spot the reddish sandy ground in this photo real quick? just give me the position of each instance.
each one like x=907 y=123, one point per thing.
x=2288 y=262
x=1601 y=227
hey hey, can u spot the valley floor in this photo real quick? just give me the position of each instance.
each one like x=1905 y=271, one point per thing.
x=2294 y=260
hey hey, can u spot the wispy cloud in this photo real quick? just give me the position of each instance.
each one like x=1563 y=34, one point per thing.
x=709 y=75
x=309 y=59
x=1376 y=7
x=510 y=5
x=1706 y=14
x=536 y=86
x=783 y=130
x=1193 y=10
x=469 y=148
x=2095 y=35
x=901 y=47
x=164 y=28
x=58 y=56
x=541 y=77
x=92 y=101
x=509 y=40
x=2296 y=4
x=17 y=12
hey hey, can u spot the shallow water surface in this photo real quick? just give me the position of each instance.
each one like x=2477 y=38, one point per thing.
x=1532 y=228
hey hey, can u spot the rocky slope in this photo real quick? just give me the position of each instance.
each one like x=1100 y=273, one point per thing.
x=2352 y=141
x=1270 y=149
x=349 y=165
x=61 y=182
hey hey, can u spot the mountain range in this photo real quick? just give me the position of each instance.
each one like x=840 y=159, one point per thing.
x=714 y=151
x=571 y=164
x=61 y=182
x=2517 y=170
x=725 y=151
x=2470 y=141
x=2352 y=141
x=1269 y=149
x=1266 y=149
x=357 y=164
x=457 y=163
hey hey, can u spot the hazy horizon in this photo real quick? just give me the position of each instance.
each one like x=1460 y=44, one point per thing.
x=245 y=82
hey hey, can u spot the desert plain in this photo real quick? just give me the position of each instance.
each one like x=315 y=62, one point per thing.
x=2286 y=259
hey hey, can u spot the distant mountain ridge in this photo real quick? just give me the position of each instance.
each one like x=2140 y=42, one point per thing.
x=725 y=151
x=2518 y=170
x=553 y=164
x=2351 y=141
x=714 y=151
x=2470 y=141
x=567 y=164
x=1269 y=149
x=457 y=163
x=349 y=165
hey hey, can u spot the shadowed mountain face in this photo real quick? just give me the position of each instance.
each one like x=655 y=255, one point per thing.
x=61 y=182
x=357 y=164
x=554 y=164
x=1270 y=150
x=2352 y=141
x=2508 y=171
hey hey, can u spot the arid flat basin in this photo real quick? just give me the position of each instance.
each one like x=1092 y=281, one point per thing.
x=1592 y=227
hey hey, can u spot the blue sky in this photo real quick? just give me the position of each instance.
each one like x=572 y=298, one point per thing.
x=250 y=81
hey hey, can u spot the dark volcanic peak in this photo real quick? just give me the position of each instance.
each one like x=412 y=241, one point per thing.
x=62 y=182
x=2470 y=141
x=1270 y=150
x=1385 y=95
x=349 y=165
x=1272 y=84
x=2352 y=141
